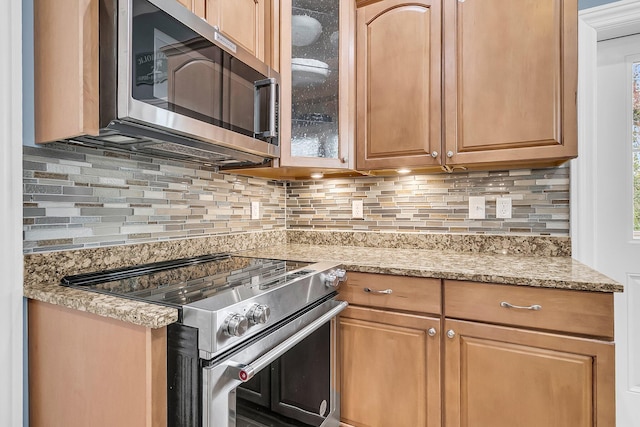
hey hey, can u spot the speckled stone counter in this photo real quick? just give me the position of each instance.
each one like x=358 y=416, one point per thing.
x=506 y=244
x=516 y=260
x=42 y=273
x=538 y=271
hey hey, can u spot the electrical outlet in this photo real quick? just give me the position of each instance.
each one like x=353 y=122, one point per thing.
x=357 y=209
x=476 y=207
x=255 y=210
x=503 y=207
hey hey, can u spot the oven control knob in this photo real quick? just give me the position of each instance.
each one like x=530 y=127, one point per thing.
x=258 y=314
x=235 y=325
x=335 y=277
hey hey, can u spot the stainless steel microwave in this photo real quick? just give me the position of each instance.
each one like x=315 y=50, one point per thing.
x=171 y=85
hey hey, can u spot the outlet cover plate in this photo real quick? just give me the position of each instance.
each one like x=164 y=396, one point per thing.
x=503 y=207
x=476 y=207
x=357 y=209
x=255 y=210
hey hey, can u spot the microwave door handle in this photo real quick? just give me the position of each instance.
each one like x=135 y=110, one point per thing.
x=244 y=372
x=272 y=132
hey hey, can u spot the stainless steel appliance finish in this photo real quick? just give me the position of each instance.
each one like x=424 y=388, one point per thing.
x=223 y=381
x=229 y=319
x=173 y=86
x=262 y=346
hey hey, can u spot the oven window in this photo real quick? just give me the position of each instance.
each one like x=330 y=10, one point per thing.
x=178 y=70
x=295 y=390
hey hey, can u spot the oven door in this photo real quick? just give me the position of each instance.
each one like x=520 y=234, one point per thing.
x=288 y=377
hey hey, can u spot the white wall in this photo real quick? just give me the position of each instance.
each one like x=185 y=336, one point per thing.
x=11 y=300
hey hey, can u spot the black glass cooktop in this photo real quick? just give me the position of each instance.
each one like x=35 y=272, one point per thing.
x=187 y=280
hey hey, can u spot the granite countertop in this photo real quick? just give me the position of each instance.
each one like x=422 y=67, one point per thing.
x=130 y=311
x=42 y=273
x=516 y=261
x=537 y=271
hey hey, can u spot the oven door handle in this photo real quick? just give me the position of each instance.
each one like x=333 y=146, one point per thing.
x=244 y=372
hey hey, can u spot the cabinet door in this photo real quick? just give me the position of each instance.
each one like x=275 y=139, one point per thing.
x=399 y=84
x=195 y=6
x=66 y=69
x=242 y=20
x=89 y=370
x=510 y=77
x=318 y=95
x=390 y=369
x=506 y=377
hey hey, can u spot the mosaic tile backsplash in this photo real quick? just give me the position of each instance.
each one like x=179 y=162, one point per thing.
x=435 y=203
x=76 y=197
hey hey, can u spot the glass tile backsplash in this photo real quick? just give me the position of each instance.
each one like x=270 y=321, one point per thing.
x=436 y=203
x=76 y=197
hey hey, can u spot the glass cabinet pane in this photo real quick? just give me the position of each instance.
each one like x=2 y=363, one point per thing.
x=314 y=78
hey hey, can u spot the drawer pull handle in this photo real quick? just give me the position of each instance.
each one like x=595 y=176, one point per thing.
x=373 y=291
x=534 y=307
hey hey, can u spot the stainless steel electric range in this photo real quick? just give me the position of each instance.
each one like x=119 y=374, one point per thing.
x=255 y=343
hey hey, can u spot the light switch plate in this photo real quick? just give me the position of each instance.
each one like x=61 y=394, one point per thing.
x=476 y=207
x=255 y=210
x=357 y=209
x=503 y=207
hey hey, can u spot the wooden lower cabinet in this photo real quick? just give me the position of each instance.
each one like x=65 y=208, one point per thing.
x=507 y=377
x=88 y=370
x=390 y=369
x=489 y=365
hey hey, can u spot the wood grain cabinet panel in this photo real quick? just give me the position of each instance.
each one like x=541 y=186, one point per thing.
x=501 y=367
x=398 y=83
x=88 y=370
x=244 y=21
x=416 y=294
x=506 y=95
x=390 y=369
x=576 y=312
x=196 y=6
x=66 y=87
x=504 y=377
x=510 y=80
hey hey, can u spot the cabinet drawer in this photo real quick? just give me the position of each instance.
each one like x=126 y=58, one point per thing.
x=407 y=293
x=579 y=312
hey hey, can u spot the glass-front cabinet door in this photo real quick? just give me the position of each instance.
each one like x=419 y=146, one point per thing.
x=318 y=90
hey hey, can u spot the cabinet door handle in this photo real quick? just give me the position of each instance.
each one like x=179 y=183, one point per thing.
x=432 y=332
x=534 y=307
x=373 y=291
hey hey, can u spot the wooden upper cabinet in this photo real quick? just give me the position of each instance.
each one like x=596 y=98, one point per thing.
x=318 y=94
x=398 y=84
x=66 y=86
x=510 y=76
x=244 y=21
x=196 y=6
